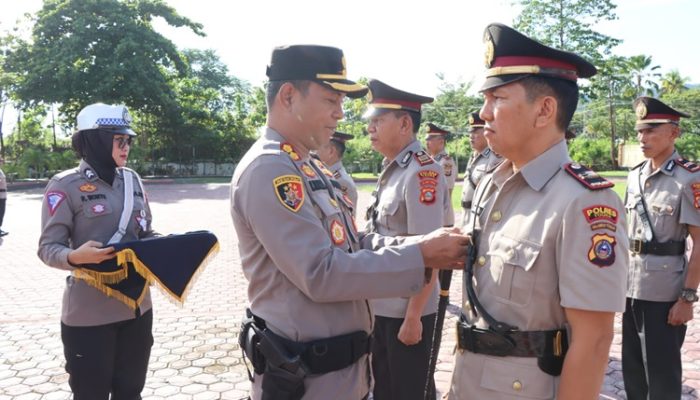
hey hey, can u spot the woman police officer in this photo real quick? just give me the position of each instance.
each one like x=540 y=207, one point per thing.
x=106 y=343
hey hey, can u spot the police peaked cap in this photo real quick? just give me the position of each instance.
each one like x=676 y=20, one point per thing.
x=321 y=64
x=511 y=56
x=436 y=131
x=383 y=97
x=651 y=112
x=341 y=137
x=475 y=121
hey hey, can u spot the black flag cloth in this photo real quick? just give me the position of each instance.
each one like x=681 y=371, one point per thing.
x=172 y=262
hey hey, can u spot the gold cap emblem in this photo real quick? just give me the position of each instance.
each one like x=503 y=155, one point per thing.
x=471 y=120
x=641 y=110
x=488 y=56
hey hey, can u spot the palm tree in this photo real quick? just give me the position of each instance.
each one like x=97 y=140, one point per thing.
x=643 y=75
x=673 y=82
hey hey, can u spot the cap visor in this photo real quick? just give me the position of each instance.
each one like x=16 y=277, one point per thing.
x=119 y=130
x=373 y=112
x=493 y=82
x=351 y=89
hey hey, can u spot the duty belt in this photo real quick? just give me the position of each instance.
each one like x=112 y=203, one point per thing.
x=515 y=344
x=670 y=248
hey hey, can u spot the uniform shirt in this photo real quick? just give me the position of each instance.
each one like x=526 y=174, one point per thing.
x=409 y=201
x=547 y=242
x=477 y=167
x=450 y=169
x=307 y=276
x=3 y=186
x=672 y=196
x=78 y=206
x=347 y=185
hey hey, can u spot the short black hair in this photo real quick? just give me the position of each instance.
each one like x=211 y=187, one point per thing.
x=273 y=87
x=415 y=118
x=565 y=92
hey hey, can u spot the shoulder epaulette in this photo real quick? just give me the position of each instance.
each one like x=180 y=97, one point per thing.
x=67 y=173
x=423 y=158
x=639 y=165
x=495 y=165
x=688 y=165
x=587 y=177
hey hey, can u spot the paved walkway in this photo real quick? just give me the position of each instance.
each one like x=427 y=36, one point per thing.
x=195 y=355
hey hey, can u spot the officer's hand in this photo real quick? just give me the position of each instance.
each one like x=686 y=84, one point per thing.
x=411 y=331
x=444 y=248
x=680 y=313
x=90 y=253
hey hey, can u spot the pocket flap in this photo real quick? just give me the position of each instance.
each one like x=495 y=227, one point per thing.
x=521 y=380
x=519 y=252
x=391 y=206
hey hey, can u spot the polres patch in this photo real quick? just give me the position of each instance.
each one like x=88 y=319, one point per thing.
x=600 y=212
x=602 y=251
x=290 y=191
x=54 y=200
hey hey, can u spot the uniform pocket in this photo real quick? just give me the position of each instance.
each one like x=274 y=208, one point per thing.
x=513 y=260
x=520 y=380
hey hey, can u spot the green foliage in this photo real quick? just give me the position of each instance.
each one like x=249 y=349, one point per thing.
x=593 y=153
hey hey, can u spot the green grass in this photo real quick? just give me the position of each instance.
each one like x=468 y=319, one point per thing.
x=613 y=174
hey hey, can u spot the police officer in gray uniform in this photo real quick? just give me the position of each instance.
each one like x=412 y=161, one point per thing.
x=332 y=155
x=663 y=206
x=106 y=343
x=3 y=197
x=408 y=201
x=308 y=326
x=482 y=160
x=548 y=273
x=435 y=145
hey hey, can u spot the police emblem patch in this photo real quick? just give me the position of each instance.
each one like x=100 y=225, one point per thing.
x=87 y=188
x=602 y=251
x=289 y=191
x=337 y=233
x=98 y=208
x=53 y=200
x=696 y=194
x=89 y=173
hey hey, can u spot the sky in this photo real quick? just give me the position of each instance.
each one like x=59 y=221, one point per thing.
x=404 y=44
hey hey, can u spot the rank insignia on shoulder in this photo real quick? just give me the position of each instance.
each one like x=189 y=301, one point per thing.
x=308 y=171
x=290 y=191
x=336 y=174
x=688 y=165
x=602 y=251
x=587 y=177
x=423 y=158
x=88 y=188
x=337 y=233
x=322 y=167
x=287 y=148
x=53 y=200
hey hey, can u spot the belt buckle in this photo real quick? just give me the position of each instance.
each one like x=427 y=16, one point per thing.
x=636 y=246
x=494 y=343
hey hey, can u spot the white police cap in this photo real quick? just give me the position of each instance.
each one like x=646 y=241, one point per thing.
x=114 y=118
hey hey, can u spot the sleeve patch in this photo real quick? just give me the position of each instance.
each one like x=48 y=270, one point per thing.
x=600 y=212
x=337 y=233
x=54 y=200
x=696 y=194
x=290 y=191
x=428 y=185
x=688 y=165
x=587 y=177
x=602 y=251
x=423 y=158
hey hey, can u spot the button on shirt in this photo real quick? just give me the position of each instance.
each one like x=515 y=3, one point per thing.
x=672 y=196
x=539 y=252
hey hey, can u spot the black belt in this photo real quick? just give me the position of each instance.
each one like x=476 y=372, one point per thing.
x=466 y=205
x=515 y=344
x=670 y=248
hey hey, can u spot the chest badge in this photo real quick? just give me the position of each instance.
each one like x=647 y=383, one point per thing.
x=337 y=233
x=290 y=191
x=87 y=188
x=308 y=171
x=99 y=208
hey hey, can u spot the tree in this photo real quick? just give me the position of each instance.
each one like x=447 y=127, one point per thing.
x=643 y=74
x=567 y=25
x=82 y=52
x=673 y=82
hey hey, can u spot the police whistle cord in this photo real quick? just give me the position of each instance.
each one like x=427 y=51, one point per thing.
x=445 y=277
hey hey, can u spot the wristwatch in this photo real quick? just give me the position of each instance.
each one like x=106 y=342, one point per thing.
x=689 y=295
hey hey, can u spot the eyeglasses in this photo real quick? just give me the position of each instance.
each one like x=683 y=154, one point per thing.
x=122 y=141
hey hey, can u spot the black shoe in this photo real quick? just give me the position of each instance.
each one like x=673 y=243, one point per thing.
x=3 y=233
